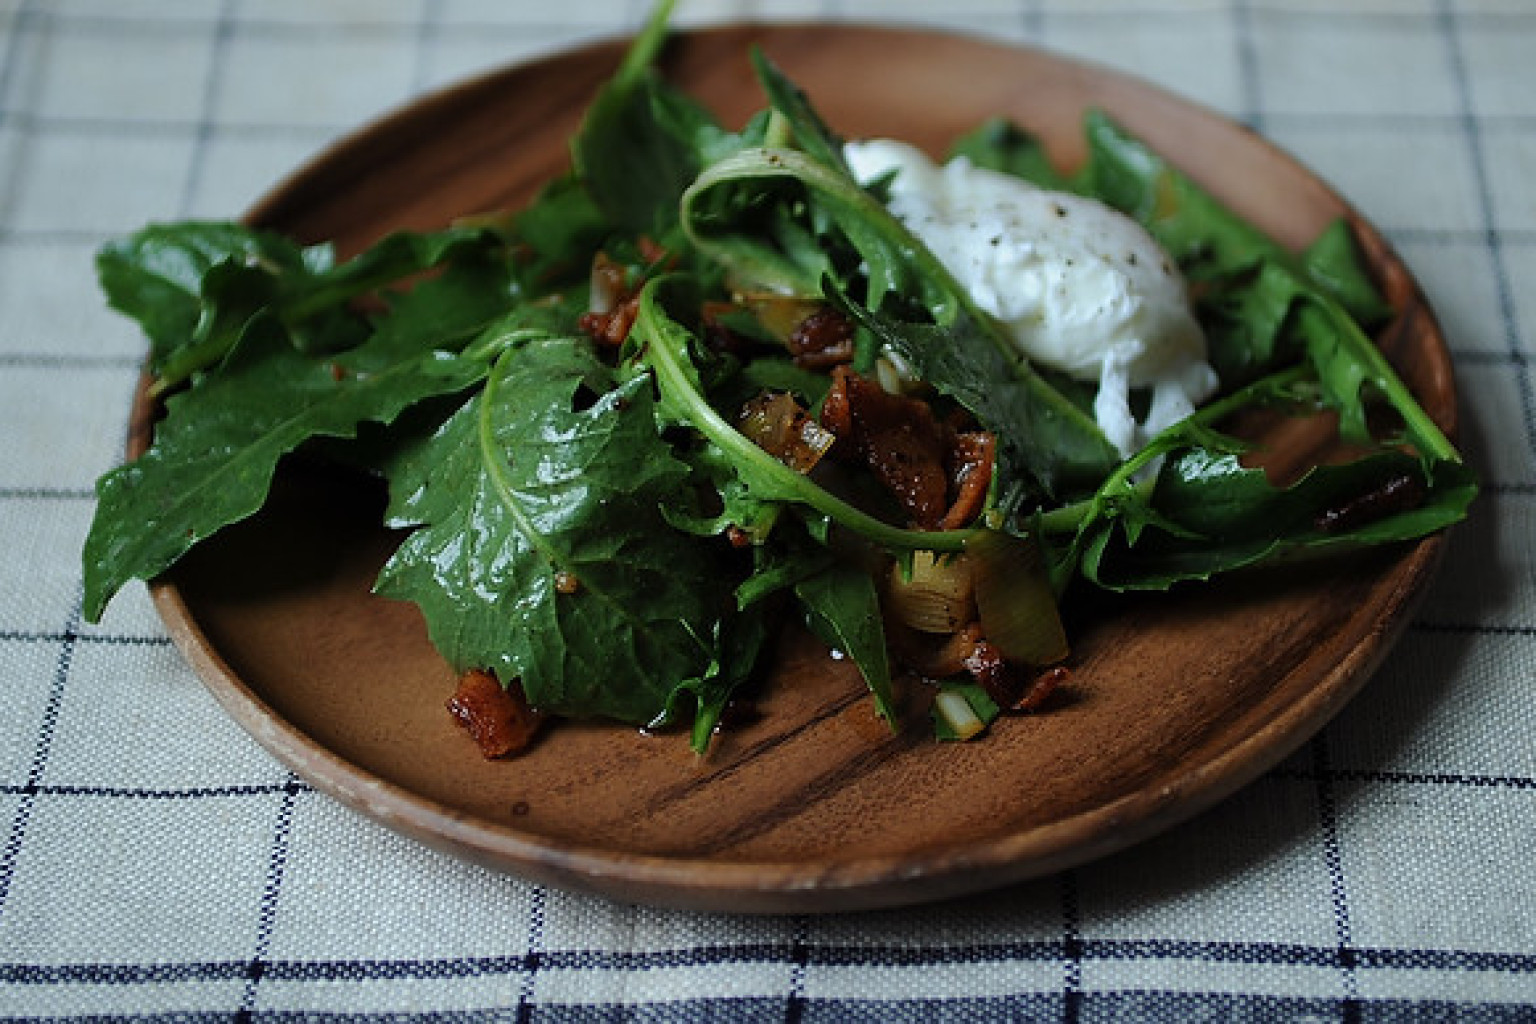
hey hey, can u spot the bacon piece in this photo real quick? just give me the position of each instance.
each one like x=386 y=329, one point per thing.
x=1042 y=687
x=1398 y=494
x=612 y=327
x=972 y=456
x=615 y=303
x=498 y=719
x=1001 y=678
x=898 y=437
x=823 y=339
x=717 y=336
x=939 y=475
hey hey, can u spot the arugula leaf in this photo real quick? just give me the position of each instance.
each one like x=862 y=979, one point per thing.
x=934 y=324
x=1332 y=262
x=810 y=133
x=215 y=452
x=541 y=552
x=1247 y=321
x=842 y=607
x=1213 y=516
x=641 y=140
x=560 y=231
x=391 y=259
x=1044 y=436
x=1205 y=512
x=194 y=286
x=741 y=640
x=1199 y=232
x=659 y=344
x=1000 y=145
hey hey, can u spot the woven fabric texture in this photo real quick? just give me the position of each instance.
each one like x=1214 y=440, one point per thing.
x=155 y=861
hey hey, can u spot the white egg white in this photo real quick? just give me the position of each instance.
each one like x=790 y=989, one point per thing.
x=1079 y=286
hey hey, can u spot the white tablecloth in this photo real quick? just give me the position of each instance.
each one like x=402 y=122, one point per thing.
x=154 y=860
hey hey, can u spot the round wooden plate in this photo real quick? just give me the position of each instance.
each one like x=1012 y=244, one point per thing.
x=1175 y=701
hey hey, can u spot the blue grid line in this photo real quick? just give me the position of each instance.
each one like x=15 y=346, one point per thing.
x=133 y=127
x=41 y=749
x=822 y=957
x=1311 y=776
x=1252 y=104
x=271 y=894
x=47 y=494
x=1406 y=232
x=292 y=787
x=10 y=59
x=223 y=33
x=1327 y=813
x=529 y=963
x=109 y=639
x=259 y=25
x=427 y=32
x=1033 y=18
x=136 y=126
x=1072 y=948
x=22 y=32
x=66 y=361
x=795 y=1001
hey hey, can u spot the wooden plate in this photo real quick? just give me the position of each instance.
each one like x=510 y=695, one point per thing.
x=1175 y=701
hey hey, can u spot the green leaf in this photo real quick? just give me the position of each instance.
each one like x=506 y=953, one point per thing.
x=1044 y=438
x=1333 y=263
x=215 y=452
x=561 y=230
x=809 y=132
x=195 y=286
x=542 y=553
x=843 y=608
x=1200 y=232
x=910 y=301
x=1205 y=512
x=1228 y=517
x=392 y=259
x=743 y=637
x=640 y=141
x=1247 y=319
x=660 y=344
x=1000 y=145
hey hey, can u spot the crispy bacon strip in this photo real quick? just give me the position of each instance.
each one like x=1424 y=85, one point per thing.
x=617 y=304
x=823 y=339
x=939 y=475
x=612 y=327
x=498 y=719
x=897 y=437
x=971 y=458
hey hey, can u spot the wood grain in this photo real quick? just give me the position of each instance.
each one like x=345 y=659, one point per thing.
x=814 y=806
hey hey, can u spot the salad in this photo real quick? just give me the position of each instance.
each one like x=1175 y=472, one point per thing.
x=714 y=382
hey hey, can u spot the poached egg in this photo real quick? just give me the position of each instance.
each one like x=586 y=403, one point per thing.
x=1078 y=286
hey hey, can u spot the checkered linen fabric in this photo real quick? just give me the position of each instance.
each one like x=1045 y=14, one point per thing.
x=154 y=861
